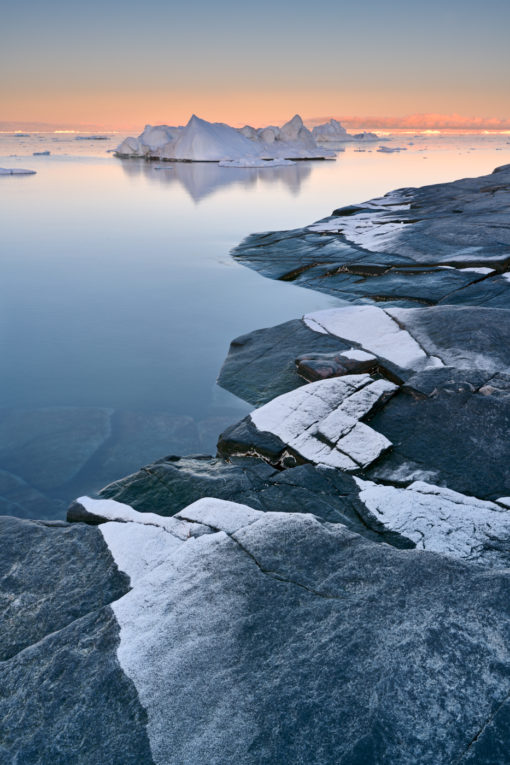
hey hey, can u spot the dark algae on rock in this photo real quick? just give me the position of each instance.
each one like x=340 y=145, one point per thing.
x=331 y=588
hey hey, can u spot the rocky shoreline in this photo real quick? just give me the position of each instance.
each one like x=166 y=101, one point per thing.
x=332 y=586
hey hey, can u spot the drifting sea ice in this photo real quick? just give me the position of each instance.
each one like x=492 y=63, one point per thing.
x=15 y=171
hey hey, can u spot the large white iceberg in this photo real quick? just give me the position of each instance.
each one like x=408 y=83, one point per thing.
x=202 y=141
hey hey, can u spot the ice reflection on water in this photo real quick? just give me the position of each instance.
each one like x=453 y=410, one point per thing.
x=201 y=179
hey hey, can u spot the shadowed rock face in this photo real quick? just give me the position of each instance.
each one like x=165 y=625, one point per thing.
x=442 y=244
x=64 y=696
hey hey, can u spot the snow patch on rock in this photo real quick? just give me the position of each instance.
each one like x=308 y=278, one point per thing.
x=375 y=331
x=376 y=228
x=168 y=579
x=320 y=421
x=441 y=520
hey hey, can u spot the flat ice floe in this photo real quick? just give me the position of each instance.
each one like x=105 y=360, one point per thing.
x=15 y=171
x=202 y=141
x=321 y=420
x=256 y=162
x=391 y=149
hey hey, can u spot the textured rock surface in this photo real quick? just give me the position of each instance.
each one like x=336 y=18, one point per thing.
x=320 y=423
x=441 y=520
x=64 y=697
x=448 y=428
x=396 y=249
x=290 y=640
x=167 y=486
x=448 y=423
x=261 y=364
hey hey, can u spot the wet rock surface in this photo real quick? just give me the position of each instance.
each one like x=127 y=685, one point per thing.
x=442 y=244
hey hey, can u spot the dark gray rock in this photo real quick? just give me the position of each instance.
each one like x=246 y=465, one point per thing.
x=261 y=364
x=268 y=362
x=51 y=575
x=63 y=695
x=295 y=640
x=461 y=336
x=65 y=699
x=395 y=249
x=447 y=425
x=168 y=486
x=456 y=432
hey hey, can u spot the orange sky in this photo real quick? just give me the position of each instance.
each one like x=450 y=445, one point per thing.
x=121 y=65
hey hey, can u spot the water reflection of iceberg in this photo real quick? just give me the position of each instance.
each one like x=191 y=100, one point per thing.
x=201 y=179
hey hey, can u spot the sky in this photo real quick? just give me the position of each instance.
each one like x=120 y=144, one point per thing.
x=125 y=64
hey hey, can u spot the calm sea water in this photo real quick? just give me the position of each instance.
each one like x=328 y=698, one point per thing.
x=119 y=298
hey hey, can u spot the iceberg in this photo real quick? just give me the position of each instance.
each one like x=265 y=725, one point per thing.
x=202 y=141
x=330 y=131
x=334 y=131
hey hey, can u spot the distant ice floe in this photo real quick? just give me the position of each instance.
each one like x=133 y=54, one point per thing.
x=256 y=162
x=202 y=141
x=15 y=171
x=41 y=153
x=91 y=138
x=334 y=131
x=391 y=149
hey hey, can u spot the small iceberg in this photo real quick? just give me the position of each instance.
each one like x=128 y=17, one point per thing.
x=91 y=138
x=367 y=136
x=330 y=131
x=334 y=132
x=202 y=141
x=41 y=153
x=15 y=171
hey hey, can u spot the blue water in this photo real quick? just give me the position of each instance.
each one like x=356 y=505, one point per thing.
x=118 y=293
